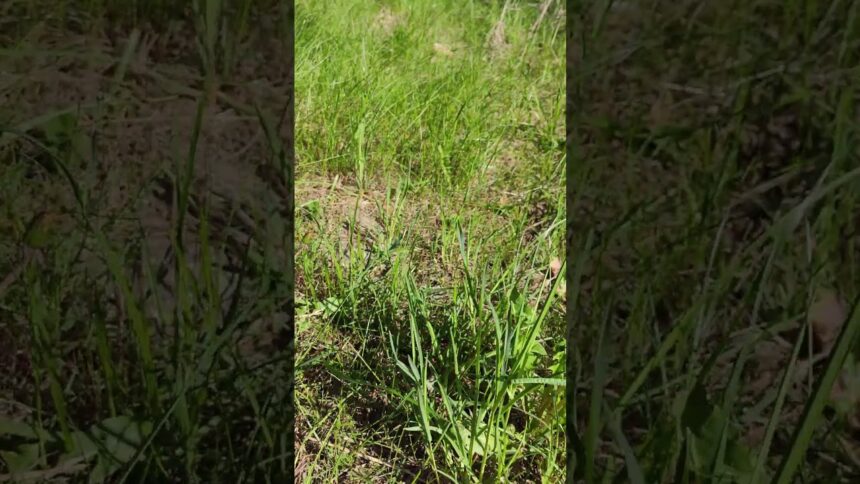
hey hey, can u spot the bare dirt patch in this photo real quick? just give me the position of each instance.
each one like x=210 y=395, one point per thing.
x=388 y=21
x=126 y=141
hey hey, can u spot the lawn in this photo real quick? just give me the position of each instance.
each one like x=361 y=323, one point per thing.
x=430 y=160
x=145 y=258
x=709 y=189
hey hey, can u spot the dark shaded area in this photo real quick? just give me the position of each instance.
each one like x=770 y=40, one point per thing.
x=146 y=255
x=713 y=166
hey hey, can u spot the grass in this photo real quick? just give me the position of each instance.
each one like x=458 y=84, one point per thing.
x=714 y=159
x=430 y=327
x=125 y=330
x=448 y=370
x=710 y=277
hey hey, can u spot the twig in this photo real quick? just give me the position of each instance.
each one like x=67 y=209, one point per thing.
x=68 y=467
x=191 y=92
x=543 y=10
x=360 y=455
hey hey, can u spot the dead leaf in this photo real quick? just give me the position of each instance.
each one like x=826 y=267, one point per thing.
x=770 y=357
x=555 y=266
x=826 y=316
x=497 y=39
x=845 y=396
x=754 y=435
x=387 y=21
x=661 y=112
x=443 y=49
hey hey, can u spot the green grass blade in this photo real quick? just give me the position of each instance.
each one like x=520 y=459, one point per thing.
x=815 y=404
